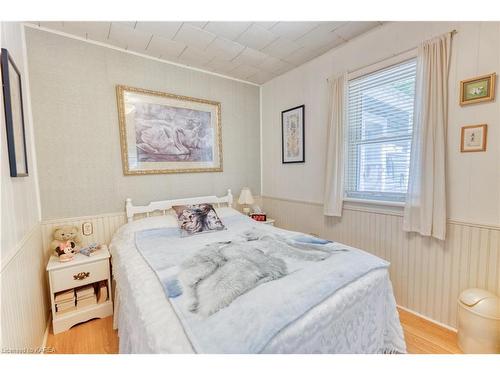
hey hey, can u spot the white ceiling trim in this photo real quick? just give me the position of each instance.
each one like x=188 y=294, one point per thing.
x=72 y=36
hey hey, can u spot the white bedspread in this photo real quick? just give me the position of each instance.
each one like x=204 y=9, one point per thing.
x=359 y=318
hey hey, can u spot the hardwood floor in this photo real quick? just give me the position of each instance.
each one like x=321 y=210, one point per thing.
x=424 y=337
x=98 y=337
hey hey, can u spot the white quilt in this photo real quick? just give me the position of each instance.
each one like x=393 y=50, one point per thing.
x=359 y=318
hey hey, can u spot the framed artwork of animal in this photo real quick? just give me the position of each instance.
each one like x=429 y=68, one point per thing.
x=477 y=89
x=168 y=133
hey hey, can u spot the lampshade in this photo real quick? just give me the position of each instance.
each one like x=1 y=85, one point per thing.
x=245 y=196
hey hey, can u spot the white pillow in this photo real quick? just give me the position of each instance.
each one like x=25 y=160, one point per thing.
x=163 y=221
x=226 y=211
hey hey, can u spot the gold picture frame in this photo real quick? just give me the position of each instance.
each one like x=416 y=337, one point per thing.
x=477 y=89
x=473 y=138
x=162 y=133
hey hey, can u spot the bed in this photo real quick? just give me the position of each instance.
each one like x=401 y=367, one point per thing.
x=358 y=317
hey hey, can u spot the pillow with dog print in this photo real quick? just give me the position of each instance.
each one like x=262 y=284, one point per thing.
x=197 y=218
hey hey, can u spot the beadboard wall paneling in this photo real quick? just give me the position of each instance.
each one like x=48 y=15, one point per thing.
x=24 y=295
x=104 y=226
x=427 y=274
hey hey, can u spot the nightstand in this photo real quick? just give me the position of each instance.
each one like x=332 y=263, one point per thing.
x=70 y=277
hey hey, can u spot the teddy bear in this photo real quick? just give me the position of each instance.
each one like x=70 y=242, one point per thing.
x=66 y=242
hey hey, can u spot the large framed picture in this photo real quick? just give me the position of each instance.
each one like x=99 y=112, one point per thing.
x=473 y=138
x=168 y=133
x=14 y=116
x=292 y=135
x=478 y=89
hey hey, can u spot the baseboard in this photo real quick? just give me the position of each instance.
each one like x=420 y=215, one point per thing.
x=428 y=319
x=46 y=334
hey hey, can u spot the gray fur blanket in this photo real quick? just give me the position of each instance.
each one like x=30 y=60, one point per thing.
x=221 y=272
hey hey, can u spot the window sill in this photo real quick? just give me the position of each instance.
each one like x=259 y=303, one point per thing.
x=366 y=205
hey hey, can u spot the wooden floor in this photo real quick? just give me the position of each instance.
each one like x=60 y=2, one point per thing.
x=98 y=337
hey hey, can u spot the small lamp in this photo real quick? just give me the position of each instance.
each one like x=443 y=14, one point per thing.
x=245 y=199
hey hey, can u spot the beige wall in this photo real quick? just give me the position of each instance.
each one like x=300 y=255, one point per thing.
x=23 y=305
x=76 y=127
x=473 y=178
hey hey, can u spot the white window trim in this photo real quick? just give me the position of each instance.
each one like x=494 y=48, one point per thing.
x=385 y=63
x=368 y=204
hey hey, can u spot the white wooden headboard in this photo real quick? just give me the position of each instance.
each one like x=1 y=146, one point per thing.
x=167 y=205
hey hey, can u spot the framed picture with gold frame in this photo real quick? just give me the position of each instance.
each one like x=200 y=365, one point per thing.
x=168 y=133
x=473 y=138
x=477 y=89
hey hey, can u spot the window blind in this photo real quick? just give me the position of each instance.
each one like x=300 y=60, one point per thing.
x=379 y=132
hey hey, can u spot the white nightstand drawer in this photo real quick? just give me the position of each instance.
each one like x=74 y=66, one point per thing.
x=78 y=275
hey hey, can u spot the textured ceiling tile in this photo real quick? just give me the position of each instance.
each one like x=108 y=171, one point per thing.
x=53 y=25
x=244 y=71
x=164 y=48
x=281 y=47
x=163 y=29
x=224 y=49
x=317 y=37
x=353 y=29
x=90 y=30
x=260 y=77
x=272 y=64
x=293 y=30
x=267 y=25
x=195 y=57
x=250 y=56
x=129 y=38
x=194 y=37
x=229 y=30
x=256 y=37
x=221 y=66
x=285 y=67
x=198 y=24
x=301 y=56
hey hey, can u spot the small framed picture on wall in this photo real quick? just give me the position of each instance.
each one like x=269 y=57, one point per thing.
x=292 y=135
x=473 y=138
x=477 y=89
x=14 y=116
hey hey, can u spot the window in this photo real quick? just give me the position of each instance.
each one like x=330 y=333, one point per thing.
x=379 y=132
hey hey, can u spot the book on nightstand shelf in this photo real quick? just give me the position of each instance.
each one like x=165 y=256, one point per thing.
x=64 y=296
x=85 y=291
x=102 y=292
x=88 y=301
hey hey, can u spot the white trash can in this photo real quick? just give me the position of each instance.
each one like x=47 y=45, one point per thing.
x=478 y=321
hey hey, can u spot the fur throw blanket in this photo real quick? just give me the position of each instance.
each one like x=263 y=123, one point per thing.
x=220 y=272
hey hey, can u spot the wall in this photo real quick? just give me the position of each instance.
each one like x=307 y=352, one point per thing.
x=77 y=136
x=427 y=275
x=473 y=178
x=23 y=295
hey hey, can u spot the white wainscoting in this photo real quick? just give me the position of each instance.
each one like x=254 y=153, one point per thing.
x=104 y=226
x=427 y=274
x=24 y=304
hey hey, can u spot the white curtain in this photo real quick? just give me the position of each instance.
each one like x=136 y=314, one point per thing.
x=425 y=209
x=334 y=184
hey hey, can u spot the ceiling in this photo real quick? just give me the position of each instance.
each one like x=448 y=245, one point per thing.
x=251 y=51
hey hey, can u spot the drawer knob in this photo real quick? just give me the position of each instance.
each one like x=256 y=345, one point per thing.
x=81 y=275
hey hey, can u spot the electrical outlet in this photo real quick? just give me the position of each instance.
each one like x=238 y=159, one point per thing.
x=87 y=228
